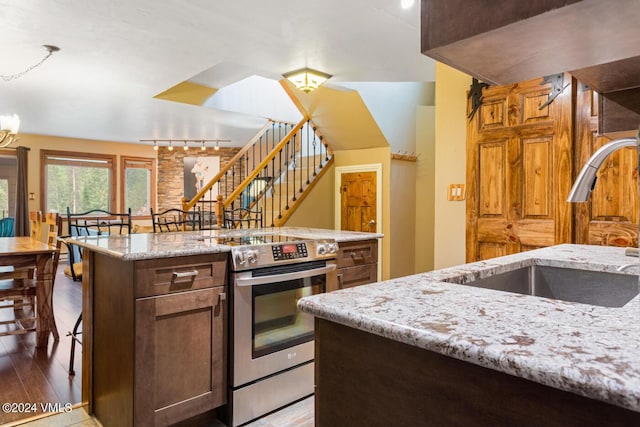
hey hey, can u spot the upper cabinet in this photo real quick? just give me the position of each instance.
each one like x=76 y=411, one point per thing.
x=508 y=41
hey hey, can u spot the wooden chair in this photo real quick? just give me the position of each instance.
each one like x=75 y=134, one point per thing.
x=242 y=218
x=94 y=222
x=175 y=220
x=20 y=289
x=8 y=272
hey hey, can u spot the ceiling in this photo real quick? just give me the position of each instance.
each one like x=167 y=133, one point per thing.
x=116 y=55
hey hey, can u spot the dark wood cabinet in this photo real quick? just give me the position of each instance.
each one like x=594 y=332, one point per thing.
x=357 y=263
x=158 y=353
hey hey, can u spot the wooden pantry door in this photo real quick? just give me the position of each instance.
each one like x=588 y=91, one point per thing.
x=358 y=201
x=519 y=170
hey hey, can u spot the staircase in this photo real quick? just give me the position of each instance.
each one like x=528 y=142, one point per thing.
x=273 y=173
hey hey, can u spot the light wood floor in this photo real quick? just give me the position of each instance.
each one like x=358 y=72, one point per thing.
x=30 y=375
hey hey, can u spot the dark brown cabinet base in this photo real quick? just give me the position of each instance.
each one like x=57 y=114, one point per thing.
x=157 y=352
x=363 y=379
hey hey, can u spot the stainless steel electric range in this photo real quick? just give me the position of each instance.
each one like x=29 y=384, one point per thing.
x=271 y=350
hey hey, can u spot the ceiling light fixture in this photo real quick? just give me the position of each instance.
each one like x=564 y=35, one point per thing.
x=406 y=4
x=203 y=147
x=170 y=146
x=185 y=146
x=8 y=129
x=50 y=51
x=307 y=79
x=155 y=145
x=217 y=147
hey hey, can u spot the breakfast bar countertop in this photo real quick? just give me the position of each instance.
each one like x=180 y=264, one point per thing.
x=137 y=246
x=589 y=350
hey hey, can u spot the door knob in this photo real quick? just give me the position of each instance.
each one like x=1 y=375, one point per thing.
x=372 y=222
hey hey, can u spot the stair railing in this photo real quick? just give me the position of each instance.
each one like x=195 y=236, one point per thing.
x=235 y=171
x=281 y=178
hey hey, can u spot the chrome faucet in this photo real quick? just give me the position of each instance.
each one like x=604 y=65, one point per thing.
x=586 y=181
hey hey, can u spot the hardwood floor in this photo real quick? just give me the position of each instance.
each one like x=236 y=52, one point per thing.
x=39 y=376
x=35 y=376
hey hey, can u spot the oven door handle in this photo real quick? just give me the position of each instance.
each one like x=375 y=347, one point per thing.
x=275 y=278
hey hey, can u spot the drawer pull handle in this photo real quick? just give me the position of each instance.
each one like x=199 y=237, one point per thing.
x=354 y=256
x=223 y=297
x=192 y=274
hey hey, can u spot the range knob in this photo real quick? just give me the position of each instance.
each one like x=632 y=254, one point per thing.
x=240 y=258
x=251 y=255
x=327 y=248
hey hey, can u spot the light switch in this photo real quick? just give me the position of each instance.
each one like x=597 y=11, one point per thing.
x=456 y=192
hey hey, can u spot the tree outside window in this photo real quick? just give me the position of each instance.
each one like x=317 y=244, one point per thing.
x=79 y=181
x=138 y=175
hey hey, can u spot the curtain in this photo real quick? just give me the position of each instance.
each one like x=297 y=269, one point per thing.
x=22 y=202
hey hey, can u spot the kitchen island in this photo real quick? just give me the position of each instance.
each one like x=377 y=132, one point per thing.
x=420 y=350
x=156 y=321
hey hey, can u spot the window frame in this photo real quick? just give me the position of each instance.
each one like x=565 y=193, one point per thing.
x=149 y=163
x=45 y=161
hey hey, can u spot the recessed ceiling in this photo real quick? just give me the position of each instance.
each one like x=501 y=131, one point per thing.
x=116 y=55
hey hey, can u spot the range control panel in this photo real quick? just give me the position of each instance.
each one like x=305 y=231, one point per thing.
x=289 y=251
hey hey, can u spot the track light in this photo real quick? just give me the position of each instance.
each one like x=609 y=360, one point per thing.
x=169 y=143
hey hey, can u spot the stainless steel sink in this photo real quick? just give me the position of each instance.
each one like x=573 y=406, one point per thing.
x=583 y=286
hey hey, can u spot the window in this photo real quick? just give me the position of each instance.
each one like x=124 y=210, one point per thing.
x=138 y=177
x=4 y=197
x=80 y=181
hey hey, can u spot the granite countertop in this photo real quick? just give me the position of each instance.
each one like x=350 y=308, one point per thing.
x=131 y=247
x=588 y=350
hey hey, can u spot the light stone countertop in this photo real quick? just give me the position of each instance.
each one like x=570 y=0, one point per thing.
x=131 y=247
x=588 y=350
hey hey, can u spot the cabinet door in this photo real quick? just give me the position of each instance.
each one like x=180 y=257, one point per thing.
x=180 y=356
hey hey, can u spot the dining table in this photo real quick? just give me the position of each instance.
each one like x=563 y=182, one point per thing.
x=25 y=252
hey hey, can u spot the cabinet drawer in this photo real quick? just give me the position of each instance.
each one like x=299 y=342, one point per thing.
x=169 y=275
x=357 y=253
x=359 y=275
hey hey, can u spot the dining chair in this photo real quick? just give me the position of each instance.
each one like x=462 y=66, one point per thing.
x=21 y=292
x=6 y=227
x=7 y=271
x=242 y=218
x=175 y=220
x=90 y=223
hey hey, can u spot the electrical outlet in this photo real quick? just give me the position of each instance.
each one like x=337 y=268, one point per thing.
x=456 y=192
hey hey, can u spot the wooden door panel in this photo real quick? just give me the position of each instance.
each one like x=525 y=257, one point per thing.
x=536 y=170
x=535 y=233
x=491 y=250
x=611 y=198
x=492 y=114
x=491 y=179
x=613 y=233
x=531 y=103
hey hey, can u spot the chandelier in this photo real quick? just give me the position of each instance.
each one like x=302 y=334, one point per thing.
x=307 y=79
x=8 y=129
x=50 y=50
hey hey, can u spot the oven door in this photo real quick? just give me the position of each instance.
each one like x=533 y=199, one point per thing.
x=270 y=334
